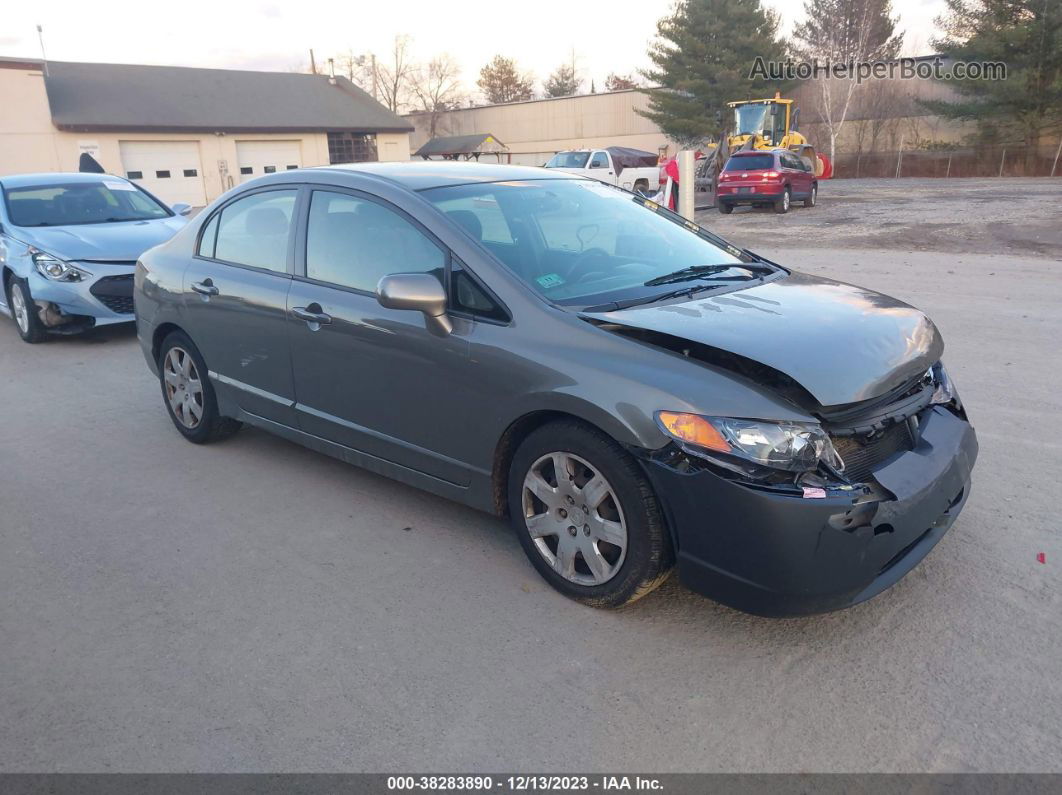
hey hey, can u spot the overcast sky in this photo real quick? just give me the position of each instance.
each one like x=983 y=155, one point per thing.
x=607 y=35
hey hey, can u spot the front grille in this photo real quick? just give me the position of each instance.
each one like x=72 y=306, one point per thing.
x=115 y=293
x=862 y=456
x=121 y=306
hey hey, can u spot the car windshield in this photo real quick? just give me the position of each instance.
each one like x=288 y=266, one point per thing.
x=568 y=160
x=580 y=242
x=67 y=204
x=749 y=163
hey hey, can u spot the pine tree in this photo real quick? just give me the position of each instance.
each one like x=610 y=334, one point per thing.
x=500 y=81
x=1026 y=35
x=563 y=82
x=702 y=58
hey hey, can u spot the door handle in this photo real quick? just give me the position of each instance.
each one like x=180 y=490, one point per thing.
x=302 y=313
x=205 y=288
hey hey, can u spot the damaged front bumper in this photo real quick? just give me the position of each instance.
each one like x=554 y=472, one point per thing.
x=776 y=554
x=103 y=298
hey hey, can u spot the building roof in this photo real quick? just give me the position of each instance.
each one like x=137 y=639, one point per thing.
x=461 y=145
x=98 y=96
x=426 y=174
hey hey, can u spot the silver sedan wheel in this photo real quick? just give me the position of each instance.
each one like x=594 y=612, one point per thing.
x=184 y=389
x=574 y=519
x=20 y=308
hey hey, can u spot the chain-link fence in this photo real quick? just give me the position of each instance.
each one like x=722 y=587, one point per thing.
x=988 y=161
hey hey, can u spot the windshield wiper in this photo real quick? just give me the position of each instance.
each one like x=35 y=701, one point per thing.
x=700 y=271
x=616 y=306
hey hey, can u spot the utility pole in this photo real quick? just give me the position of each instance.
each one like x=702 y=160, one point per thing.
x=44 y=57
x=373 y=57
x=313 y=63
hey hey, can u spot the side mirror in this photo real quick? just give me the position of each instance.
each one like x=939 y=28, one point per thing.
x=420 y=292
x=181 y=208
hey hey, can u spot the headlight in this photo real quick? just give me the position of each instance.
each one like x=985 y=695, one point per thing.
x=789 y=446
x=54 y=268
x=945 y=389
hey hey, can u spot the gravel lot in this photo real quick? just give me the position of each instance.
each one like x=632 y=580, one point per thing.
x=973 y=216
x=253 y=606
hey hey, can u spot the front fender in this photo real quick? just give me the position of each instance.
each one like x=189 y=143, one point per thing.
x=14 y=256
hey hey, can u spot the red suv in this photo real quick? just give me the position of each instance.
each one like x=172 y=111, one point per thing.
x=759 y=178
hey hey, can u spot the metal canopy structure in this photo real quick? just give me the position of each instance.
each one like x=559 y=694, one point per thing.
x=463 y=147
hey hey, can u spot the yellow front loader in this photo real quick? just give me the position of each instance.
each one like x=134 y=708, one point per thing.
x=772 y=124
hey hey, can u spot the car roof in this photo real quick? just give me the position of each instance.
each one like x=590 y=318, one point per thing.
x=754 y=152
x=442 y=173
x=44 y=179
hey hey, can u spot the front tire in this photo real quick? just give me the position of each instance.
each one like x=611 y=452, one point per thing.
x=782 y=205
x=188 y=394
x=587 y=517
x=24 y=311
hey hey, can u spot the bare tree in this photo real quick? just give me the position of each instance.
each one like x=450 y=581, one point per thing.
x=876 y=112
x=358 y=68
x=844 y=32
x=394 y=76
x=436 y=87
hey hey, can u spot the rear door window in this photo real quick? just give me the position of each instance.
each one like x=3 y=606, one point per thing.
x=256 y=230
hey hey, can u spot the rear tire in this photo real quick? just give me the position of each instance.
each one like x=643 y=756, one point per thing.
x=567 y=476
x=725 y=208
x=188 y=394
x=782 y=205
x=24 y=311
x=812 y=197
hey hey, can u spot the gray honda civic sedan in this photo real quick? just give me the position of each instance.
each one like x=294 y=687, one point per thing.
x=633 y=392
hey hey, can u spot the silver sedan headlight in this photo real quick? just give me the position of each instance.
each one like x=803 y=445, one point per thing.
x=56 y=269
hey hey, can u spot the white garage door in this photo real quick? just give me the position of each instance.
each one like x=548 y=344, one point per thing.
x=169 y=169
x=267 y=157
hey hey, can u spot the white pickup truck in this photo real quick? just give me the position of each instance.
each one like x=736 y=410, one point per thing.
x=632 y=169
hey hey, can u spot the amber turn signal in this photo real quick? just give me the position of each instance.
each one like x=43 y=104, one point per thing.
x=693 y=429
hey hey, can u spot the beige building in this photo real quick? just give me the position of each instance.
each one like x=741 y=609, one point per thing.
x=186 y=135
x=535 y=130
x=883 y=114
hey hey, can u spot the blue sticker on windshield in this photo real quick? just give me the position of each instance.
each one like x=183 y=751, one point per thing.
x=550 y=280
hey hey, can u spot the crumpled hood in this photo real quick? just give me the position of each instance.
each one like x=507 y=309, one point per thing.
x=125 y=240
x=842 y=343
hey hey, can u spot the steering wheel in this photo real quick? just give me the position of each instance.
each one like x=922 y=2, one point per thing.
x=587 y=263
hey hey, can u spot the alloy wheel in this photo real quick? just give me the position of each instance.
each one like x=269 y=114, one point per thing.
x=574 y=518
x=785 y=200
x=19 y=308
x=184 y=389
